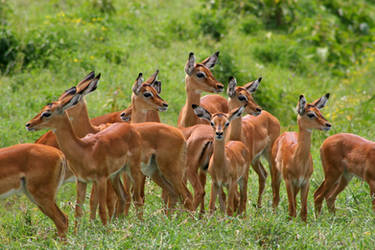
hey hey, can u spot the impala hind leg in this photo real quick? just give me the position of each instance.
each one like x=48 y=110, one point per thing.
x=102 y=194
x=111 y=200
x=138 y=181
x=202 y=179
x=262 y=176
x=243 y=195
x=81 y=193
x=331 y=197
x=372 y=192
x=276 y=179
x=93 y=202
x=324 y=189
x=122 y=197
x=192 y=176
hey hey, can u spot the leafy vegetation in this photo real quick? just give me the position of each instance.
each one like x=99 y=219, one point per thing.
x=309 y=47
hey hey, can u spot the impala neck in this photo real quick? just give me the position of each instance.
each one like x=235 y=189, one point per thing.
x=80 y=120
x=193 y=96
x=303 y=142
x=138 y=115
x=235 y=128
x=219 y=152
x=69 y=143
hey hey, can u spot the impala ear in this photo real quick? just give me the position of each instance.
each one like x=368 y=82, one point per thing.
x=89 y=76
x=189 y=67
x=301 y=105
x=321 y=102
x=67 y=92
x=236 y=113
x=138 y=84
x=69 y=101
x=157 y=86
x=90 y=87
x=253 y=86
x=153 y=77
x=231 y=90
x=201 y=112
x=210 y=62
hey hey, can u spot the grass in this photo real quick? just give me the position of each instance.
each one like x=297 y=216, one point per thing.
x=58 y=42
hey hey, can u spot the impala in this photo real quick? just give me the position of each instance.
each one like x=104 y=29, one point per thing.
x=200 y=78
x=229 y=163
x=258 y=131
x=95 y=157
x=344 y=156
x=37 y=171
x=292 y=158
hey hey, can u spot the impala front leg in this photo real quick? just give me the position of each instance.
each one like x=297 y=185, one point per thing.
x=214 y=191
x=291 y=200
x=304 y=194
x=81 y=193
x=231 y=197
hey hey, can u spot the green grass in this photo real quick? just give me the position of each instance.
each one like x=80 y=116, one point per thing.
x=55 y=43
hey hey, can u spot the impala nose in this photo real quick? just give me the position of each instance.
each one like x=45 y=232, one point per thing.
x=328 y=125
x=165 y=105
x=258 y=110
x=28 y=125
x=219 y=133
x=220 y=87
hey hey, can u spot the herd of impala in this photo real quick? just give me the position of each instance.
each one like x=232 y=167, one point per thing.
x=212 y=137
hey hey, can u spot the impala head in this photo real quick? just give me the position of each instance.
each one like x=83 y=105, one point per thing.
x=199 y=75
x=53 y=112
x=242 y=96
x=218 y=121
x=126 y=114
x=309 y=116
x=146 y=94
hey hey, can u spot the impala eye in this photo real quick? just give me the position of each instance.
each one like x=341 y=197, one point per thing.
x=242 y=98
x=212 y=124
x=226 y=124
x=201 y=75
x=147 y=95
x=46 y=114
x=310 y=115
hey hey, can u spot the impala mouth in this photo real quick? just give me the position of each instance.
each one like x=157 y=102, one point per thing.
x=30 y=129
x=219 y=137
x=256 y=113
x=326 y=128
x=163 y=109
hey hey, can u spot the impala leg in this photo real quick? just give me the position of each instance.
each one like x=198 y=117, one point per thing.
x=231 y=198
x=193 y=178
x=117 y=187
x=47 y=204
x=143 y=184
x=102 y=194
x=243 y=194
x=331 y=197
x=275 y=188
x=202 y=179
x=138 y=179
x=304 y=193
x=323 y=190
x=262 y=176
x=222 y=198
x=214 y=191
x=127 y=189
x=291 y=198
x=372 y=192
x=172 y=196
x=93 y=202
x=111 y=199
x=81 y=193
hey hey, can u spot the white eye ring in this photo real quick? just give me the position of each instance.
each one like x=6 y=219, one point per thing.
x=147 y=94
x=226 y=124
x=212 y=124
x=201 y=74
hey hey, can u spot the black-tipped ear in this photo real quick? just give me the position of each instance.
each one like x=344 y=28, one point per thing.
x=253 y=86
x=236 y=113
x=232 y=83
x=73 y=101
x=138 y=84
x=189 y=67
x=301 y=105
x=89 y=76
x=201 y=112
x=211 y=61
x=153 y=77
x=321 y=102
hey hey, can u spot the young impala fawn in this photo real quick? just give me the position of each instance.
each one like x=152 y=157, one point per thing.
x=37 y=171
x=199 y=78
x=95 y=157
x=344 y=156
x=292 y=158
x=258 y=132
x=200 y=148
x=229 y=163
